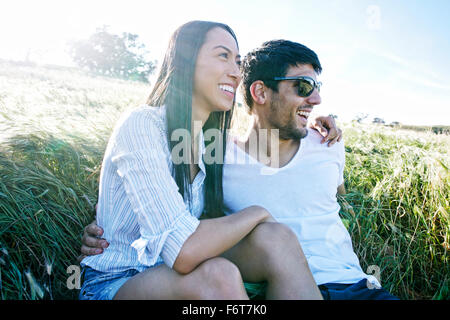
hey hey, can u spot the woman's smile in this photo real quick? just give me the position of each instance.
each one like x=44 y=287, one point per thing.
x=228 y=90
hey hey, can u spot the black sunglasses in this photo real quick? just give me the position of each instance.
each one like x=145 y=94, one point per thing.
x=306 y=85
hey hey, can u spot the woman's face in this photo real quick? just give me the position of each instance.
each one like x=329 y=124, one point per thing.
x=217 y=73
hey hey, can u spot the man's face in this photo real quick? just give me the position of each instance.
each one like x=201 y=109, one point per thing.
x=288 y=111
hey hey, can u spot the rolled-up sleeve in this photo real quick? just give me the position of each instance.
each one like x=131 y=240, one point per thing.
x=141 y=161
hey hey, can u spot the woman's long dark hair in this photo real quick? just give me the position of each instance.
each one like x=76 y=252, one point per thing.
x=173 y=88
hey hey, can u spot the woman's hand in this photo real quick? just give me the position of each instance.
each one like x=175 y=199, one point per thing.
x=328 y=129
x=91 y=243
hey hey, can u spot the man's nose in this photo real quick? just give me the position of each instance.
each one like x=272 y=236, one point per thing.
x=314 y=98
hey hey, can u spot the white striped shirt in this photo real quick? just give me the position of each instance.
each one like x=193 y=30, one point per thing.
x=140 y=209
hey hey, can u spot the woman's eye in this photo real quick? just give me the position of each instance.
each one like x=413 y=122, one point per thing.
x=224 y=54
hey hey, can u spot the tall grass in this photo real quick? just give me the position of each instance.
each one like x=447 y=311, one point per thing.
x=397 y=207
x=54 y=128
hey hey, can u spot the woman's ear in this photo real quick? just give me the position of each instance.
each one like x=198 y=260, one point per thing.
x=258 y=92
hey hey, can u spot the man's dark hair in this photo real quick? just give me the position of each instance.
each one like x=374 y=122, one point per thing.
x=273 y=59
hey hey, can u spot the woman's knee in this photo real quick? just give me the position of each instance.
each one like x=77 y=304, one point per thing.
x=218 y=278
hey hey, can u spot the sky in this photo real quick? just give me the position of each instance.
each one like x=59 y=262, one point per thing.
x=380 y=58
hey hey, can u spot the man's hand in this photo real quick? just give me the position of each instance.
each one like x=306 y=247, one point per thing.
x=328 y=129
x=92 y=244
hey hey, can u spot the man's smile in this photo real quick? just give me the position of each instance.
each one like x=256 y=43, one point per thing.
x=303 y=114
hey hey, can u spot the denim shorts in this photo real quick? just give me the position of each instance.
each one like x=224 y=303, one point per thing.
x=99 y=285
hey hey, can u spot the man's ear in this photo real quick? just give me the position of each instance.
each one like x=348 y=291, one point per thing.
x=259 y=92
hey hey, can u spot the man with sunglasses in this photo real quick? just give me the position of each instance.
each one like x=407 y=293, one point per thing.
x=296 y=182
x=295 y=176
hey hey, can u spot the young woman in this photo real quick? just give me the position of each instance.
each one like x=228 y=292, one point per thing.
x=154 y=186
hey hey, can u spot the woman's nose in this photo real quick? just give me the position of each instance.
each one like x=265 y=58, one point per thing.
x=235 y=72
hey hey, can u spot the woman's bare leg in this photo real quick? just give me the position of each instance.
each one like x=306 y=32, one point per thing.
x=272 y=253
x=216 y=278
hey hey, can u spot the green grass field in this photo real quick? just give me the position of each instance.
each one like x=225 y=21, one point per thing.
x=54 y=126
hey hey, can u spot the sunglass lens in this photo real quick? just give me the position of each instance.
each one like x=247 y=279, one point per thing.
x=305 y=88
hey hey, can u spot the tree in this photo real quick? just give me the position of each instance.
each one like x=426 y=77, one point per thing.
x=394 y=124
x=360 y=117
x=378 y=121
x=113 y=55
